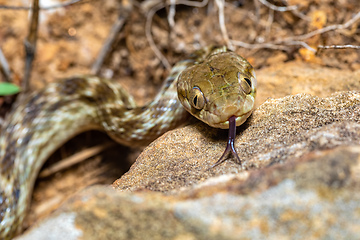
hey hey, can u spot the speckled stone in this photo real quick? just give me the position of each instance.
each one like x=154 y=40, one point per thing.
x=314 y=197
x=280 y=130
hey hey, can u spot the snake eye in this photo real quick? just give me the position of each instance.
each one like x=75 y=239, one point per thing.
x=197 y=99
x=245 y=83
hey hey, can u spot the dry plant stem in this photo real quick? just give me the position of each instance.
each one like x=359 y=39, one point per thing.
x=4 y=67
x=301 y=15
x=150 y=39
x=171 y=15
x=75 y=159
x=220 y=4
x=150 y=14
x=107 y=47
x=281 y=44
x=320 y=47
x=277 y=8
x=259 y=45
x=171 y=11
x=30 y=45
x=322 y=30
x=339 y=47
x=293 y=9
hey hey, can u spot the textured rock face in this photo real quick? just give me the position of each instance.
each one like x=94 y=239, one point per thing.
x=315 y=197
x=299 y=179
x=280 y=130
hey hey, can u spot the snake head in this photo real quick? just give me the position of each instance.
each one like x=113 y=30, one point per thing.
x=220 y=87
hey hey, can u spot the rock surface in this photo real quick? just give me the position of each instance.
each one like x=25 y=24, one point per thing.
x=316 y=197
x=299 y=177
x=298 y=77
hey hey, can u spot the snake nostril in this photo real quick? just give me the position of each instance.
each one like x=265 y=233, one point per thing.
x=214 y=107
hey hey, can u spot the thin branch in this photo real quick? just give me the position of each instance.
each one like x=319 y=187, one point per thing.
x=300 y=43
x=220 y=4
x=30 y=45
x=293 y=9
x=149 y=17
x=277 y=8
x=171 y=15
x=339 y=47
x=259 y=45
x=150 y=39
x=299 y=14
x=75 y=159
x=323 y=30
x=321 y=47
x=4 y=67
x=297 y=40
x=106 y=49
x=147 y=5
x=192 y=3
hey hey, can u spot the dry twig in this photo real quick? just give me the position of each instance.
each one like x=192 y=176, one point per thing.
x=322 y=30
x=221 y=4
x=339 y=47
x=321 y=47
x=107 y=46
x=30 y=45
x=294 y=9
x=280 y=44
x=150 y=14
x=277 y=8
x=75 y=159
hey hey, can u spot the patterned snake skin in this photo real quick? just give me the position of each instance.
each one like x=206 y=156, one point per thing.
x=214 y=84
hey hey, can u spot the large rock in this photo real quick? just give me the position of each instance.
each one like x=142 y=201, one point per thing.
x=299 y=177
x=280 y=130
x=315 y=197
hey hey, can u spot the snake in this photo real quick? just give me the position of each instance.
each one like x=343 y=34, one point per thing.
x=213 y=84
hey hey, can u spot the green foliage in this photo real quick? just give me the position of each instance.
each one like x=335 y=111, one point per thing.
x=8 y=89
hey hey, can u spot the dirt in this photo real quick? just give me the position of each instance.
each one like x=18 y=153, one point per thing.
x=71 y=37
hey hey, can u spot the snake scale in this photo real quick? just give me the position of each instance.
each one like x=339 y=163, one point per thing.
x=214 y=84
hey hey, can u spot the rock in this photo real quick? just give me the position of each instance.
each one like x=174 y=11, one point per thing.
x=279 y=130
x=314 y=197
x=295 y=77
x=299 y=176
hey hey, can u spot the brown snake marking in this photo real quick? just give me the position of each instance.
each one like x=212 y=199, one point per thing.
x=214 y=84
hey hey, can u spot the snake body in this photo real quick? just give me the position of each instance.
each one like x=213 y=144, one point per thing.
x=214 y=85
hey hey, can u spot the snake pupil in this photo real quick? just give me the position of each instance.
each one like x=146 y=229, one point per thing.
x=195 y=100
x=248 y=81
x=198 y=99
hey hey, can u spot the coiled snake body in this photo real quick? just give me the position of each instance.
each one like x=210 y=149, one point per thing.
x=214 y=84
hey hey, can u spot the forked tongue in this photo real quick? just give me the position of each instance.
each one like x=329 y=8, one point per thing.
x=230 y=148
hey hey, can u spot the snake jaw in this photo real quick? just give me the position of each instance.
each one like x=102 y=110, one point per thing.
x=230 y=147
x=221 y=109
x=216 y=122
